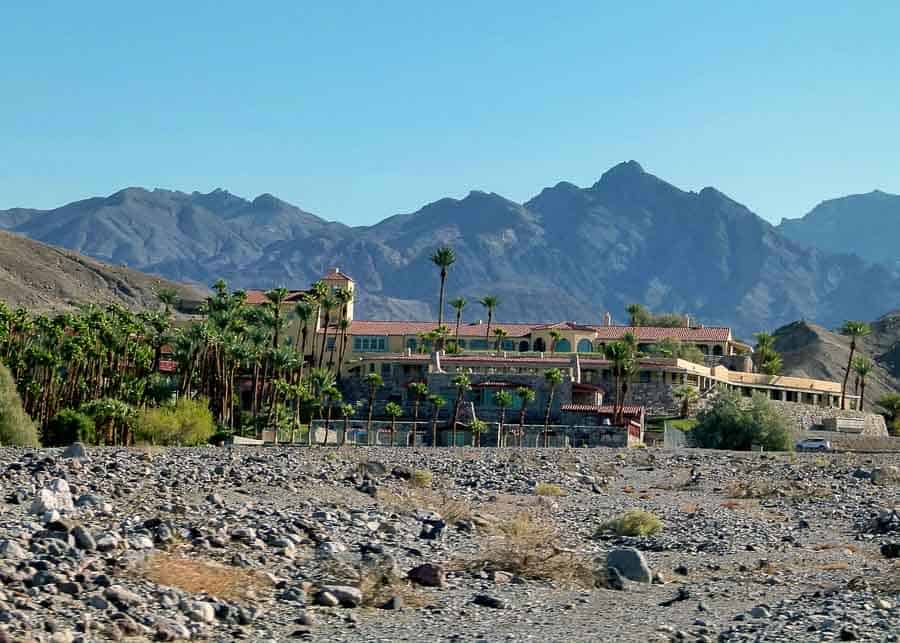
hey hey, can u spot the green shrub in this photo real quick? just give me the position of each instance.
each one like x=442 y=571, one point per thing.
x=187 y=423
x=420 y=478
x=635 y=522
x=728 y=425
x=70 y=426
x=16 y=428
x=548 y=489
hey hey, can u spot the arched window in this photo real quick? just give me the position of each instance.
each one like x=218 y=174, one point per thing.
x=717 y=350
x=703 y=348
x=585 y=346
x=523 y=346
x=539 y=345
x=411 y=343
x=563 y=346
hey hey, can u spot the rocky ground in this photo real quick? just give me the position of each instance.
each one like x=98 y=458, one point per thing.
x=383 y=544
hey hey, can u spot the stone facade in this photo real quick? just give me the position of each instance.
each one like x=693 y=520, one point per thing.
x=805 y=417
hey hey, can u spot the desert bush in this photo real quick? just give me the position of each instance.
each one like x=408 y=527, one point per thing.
x=745 y=489
x=16 y=428
x=420 y=478
x=526 y=548
x=728 y=425
x=187 y=423
x=635 y=522
x=197 y=576
x=70 y=426
x=547 y=489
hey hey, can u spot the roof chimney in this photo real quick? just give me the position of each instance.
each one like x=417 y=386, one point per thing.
x=607 y=319
x=687 y=321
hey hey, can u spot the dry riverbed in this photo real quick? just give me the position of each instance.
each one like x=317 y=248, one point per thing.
x=276 y=544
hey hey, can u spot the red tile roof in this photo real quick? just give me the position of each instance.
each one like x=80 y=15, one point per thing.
x=518 y=330
x=371 y=327
x=656 y=333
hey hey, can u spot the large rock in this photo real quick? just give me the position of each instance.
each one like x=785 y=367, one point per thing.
x=346 y=595
x=54 y=497
x=12 y=550
x=630 y=563
x=427 y=574
x=888 y=475
x=75 y=451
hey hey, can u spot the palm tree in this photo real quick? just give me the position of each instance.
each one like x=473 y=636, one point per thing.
x=854 y=330
x=373 y=381
x=490 y=302
x=503 y=400
x=638 y=314
x=347 y=411
x=168 y=297
x=419 y=391
x=276 y=298
x=393 y=411
x=436 y=402
x=477 y=427
x=461 y=383
x=688 y=395
x=554 y=378
x=863 y=367
x=500 y=334
x=890 y=405
x=458 y=304
x=767 y=360
x=330 y=395
x=555 y=336
x=327 y=304
x=622 y=356
x=443 y=258
x=344 y=327
x=526 y=396
x=321 y=383
x=303 y=311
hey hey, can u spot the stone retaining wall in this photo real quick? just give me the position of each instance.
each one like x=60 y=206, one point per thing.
x=806 y=417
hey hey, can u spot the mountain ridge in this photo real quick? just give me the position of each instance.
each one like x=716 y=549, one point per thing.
x=568 y=252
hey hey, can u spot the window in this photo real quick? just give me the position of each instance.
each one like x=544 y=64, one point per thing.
x=385 y=370
x=509 y=345
x=563 y=346
x=585 y=346
x=478 y=344
x=645 y=377
x=329 y=344
x=370 y=344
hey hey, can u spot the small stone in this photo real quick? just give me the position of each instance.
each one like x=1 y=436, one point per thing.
x=485 y=600
x=759 y=612
x=327 y=599
x=12 y=550
x=395 y=602
x=54 y=497
x=121 y=596
x=83 y=539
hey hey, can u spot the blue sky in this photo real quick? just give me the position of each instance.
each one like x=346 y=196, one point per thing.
x=360 y=110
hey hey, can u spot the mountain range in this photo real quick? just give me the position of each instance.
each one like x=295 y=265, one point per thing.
x=570 y=252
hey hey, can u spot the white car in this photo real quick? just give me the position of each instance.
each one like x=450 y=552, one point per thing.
x=813 y=444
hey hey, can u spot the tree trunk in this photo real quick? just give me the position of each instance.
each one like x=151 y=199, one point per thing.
x=847 y=373
x=327 y=425
x=547 y=418
x=441 y=297
x=415 y=421
x=862 y=394
x=521 y=436
x=371 y=412
x=500 y=428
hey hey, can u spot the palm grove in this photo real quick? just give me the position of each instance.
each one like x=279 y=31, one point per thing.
x=95 y=374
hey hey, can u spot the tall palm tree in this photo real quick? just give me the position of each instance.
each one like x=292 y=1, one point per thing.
x=436 y=402
x=458 y=304
x=321 y=383
x=854 y=330
x=638 y=314
x=500 y=334
x=554 y=378
x=329 y=396
x=373 y=381
x=443 y=258
x=168 y=297
x=621 y=356
x=555 y=336
x=347 y=411
x=462 y=384
x=688 y=395
x=393 y=411
x=344 y=327
x=502 y=400
x=275 y=300
x=419 y=391
x=526 y=396
x=863 y=367
x=490 y=303
x=303 y=311
x=326 y=304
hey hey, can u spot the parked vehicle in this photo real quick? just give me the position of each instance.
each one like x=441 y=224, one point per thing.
x=813 y=444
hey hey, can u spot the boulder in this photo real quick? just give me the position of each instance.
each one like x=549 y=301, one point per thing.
x=885 y=475
x=54 y=497
x=75 y=451
x=427 y=575
x=630 y=563
x=346 y=595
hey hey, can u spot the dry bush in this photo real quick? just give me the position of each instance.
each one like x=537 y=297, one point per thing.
x=198 y=576
x=421 y=478
x=378 y=587
x=407 y=501
x=751 y=489
x=547 y=489
x=690 y=508
x=526 y=548
x=635 y=522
